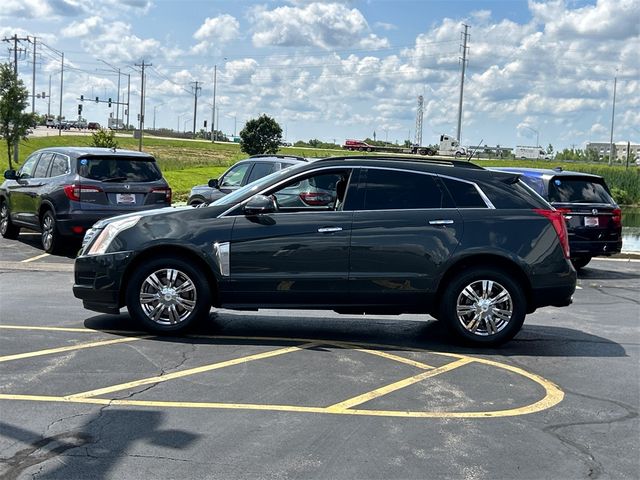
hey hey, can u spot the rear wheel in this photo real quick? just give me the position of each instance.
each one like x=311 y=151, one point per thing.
x=50 y=236
x=580 y=262
x=484 y=306
x=168 y=295
x=7 y=228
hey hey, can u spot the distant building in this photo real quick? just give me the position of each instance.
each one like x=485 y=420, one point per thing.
x=619 y=150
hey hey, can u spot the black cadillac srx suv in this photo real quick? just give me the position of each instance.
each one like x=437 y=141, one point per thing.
x=62 y=191
x=474 y=248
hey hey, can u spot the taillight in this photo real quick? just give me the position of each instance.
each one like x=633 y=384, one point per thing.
x=74 y=191
x=557 y=220
x=166 y=191
x=617 y=217
x=316 y=199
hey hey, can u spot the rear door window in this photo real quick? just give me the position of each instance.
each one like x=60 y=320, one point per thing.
x=120 y=169
x=578 y=190
x=261 y=169
x=396 y=190
x=43 y=165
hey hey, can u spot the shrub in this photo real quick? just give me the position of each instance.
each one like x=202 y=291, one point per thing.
x=104 y=138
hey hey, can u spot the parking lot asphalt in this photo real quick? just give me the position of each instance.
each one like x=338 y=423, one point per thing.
x=285 y=394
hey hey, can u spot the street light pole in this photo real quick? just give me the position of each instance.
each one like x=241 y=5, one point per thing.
x=613 y=113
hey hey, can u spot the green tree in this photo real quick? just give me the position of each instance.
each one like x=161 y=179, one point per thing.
x=550 y=149
x=104 y=138
x=260 y=135
x=14 y=122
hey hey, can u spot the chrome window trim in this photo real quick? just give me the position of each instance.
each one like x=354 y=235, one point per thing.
x=484 y=197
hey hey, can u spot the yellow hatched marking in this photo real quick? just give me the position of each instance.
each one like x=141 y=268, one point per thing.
x=190 y=371
x=378 y=392
x=70 y=348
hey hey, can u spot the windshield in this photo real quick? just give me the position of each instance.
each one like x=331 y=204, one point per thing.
x=254 y=187
x=578 y=190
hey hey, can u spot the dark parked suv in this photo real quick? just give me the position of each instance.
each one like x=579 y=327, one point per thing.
x=594 y=220
x=475 y=248
x=61 y=192
x=241 y=173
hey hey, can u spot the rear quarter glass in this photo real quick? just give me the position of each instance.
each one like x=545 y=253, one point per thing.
x=119 y=169
x=513 y=196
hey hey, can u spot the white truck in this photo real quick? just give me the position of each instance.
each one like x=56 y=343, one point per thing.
x=530 y=153
x=450 y=146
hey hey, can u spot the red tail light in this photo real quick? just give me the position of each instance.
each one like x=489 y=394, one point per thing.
x=556 y=218
x=316 y=199
x=617 y=217
x=164 y=191
x=74 y=191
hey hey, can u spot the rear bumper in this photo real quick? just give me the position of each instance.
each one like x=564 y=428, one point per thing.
x=98 y=281
x=594 y=248
x=86 y=218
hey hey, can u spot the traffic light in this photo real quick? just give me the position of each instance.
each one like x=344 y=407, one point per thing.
x=82 y=98
x=79 y=109
x=205 y=124
x=97 y=99
x=109 y=101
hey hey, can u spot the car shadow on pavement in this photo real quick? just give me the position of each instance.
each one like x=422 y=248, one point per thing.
x=95 y=448
x=32 y=239
x=532 y=340
x=591 y=273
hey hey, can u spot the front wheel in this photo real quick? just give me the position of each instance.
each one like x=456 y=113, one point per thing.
x=484 y=306
x=7 y=228
x=167 y=295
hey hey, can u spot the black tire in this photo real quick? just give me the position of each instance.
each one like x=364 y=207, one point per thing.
x=174 y=310
x=580 y=262
x=495 y=322
x=195 y=202
x=50 y=237
x=7 y=228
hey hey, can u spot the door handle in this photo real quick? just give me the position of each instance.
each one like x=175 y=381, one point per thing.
x=329 y=229
x=440 y=222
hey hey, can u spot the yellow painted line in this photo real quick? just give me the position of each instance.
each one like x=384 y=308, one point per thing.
x=386 y=355
x=33 y=259
x=190 y=371
x=378 y=392
x=70 y=348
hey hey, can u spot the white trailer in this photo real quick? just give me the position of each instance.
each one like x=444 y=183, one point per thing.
x=531 y=153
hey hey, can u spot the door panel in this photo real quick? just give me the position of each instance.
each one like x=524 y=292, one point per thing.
x=396 y=254
x=290 y=258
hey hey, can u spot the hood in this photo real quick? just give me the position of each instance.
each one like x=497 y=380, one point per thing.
x=144 y=213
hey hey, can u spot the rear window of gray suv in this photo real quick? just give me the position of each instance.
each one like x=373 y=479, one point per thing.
x=121 y=169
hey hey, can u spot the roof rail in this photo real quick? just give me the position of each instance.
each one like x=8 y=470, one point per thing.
x=408 y=158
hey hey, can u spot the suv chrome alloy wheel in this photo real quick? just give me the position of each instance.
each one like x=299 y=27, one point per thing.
x=48 y=226
x=168 y=296
x=4 y=219
x=484 y=307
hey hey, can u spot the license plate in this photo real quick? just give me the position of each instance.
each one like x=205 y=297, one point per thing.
x=128 y=198
x=590 y=221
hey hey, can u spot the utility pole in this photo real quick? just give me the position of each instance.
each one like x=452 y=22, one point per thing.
x=141 y=120
x=49 y=101
x=613 y=112
x=195 y=107
x=61 y=91
x=419 y=117
x=464 y=67
x=33 y=79
x=213 y=112
x=15 y=41
x=128 y=97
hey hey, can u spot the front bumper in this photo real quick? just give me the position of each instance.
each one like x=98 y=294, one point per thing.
x=99 y=279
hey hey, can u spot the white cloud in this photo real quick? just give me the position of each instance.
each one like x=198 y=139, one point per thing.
x=82 y=28
x=223 y=28
x=324 y=25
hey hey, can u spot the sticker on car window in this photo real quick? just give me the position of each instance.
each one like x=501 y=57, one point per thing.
x=84 y=161
x=557 y=182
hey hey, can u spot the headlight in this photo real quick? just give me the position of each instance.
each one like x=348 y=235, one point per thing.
x=106 y=236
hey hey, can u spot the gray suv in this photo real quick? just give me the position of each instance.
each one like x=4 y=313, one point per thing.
x=61 y=192
x=240 y=174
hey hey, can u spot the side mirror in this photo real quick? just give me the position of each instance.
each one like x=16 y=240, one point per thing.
x=259 y=204
x=10 y=175
x=213 y=183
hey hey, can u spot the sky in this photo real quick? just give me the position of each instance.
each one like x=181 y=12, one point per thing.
x=537 y=71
